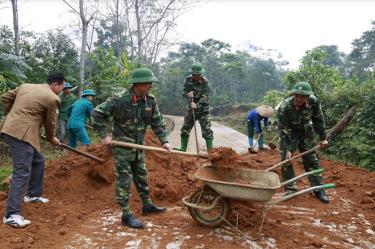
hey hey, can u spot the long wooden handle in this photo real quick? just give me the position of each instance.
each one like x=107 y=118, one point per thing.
x=151 y=148
x=316 y=147
x=82 y=153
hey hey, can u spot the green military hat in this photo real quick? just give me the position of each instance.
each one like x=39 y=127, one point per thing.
x=302 y=88
x=196 y=68
x=88 y=92
x=142 y=75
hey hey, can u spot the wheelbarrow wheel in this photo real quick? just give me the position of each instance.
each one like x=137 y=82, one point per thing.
x=214 y=216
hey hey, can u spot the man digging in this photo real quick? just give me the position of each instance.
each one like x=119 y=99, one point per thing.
x=132 y=111
x=28 y=107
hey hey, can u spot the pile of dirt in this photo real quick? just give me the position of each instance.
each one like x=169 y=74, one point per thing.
x=223 y=157
x=79 y=188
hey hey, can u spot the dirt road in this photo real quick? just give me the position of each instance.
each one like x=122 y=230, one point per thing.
x=223 y=136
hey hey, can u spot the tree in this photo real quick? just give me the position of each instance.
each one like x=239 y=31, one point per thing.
x=15 y=26
x=361 y=60
x=85 y=21
x=52 y=51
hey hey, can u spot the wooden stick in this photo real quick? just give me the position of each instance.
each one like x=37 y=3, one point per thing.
x=144 y=147
x=82 y=153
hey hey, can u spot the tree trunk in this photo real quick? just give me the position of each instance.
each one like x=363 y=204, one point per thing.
x=139 y=32
x=85 y=25
x=15 y=26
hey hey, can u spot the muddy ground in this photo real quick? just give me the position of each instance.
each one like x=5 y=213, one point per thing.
x=83 y=212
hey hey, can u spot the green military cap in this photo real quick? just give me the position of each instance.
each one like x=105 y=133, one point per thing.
x=142 y=75
x=302 y=88
x=196 y=68
x=88 y=92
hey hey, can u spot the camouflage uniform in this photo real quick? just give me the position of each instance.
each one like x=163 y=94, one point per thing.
x=131 y=117
x=297 y=128
x=201 y=98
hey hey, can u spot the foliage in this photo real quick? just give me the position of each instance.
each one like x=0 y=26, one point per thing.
x=273 y=97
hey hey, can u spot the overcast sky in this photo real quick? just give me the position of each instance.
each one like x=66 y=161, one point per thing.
x=291 y=27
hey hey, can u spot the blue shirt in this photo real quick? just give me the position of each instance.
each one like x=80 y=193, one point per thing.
x=255 y=119
x=79 y=112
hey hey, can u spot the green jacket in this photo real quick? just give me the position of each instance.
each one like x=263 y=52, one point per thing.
x=201 y=93
x=300 y=123
x=131 y=117
x=66 y=102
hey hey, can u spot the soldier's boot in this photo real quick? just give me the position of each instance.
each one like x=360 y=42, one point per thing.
x=184 y=143
x=209 y=143
x=131 y=221
x=152 y=209
x=322 y=196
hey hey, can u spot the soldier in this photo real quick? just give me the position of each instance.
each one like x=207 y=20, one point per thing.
x=254 y=119
x=28 y=108
x=78 y=113
x=132 y=111
x=299 y=118
x=196 y=91
x=67 y=99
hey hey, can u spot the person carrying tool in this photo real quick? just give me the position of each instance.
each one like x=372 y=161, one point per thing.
x=133 y=111
x=78 y=113
x=254 y=119
x=299 y=118
x=28 y=108
x=197 y=92
x=67 y=99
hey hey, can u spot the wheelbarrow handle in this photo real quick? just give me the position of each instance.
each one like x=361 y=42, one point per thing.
x=301 y=192
x=315 y=148
x=313 y=172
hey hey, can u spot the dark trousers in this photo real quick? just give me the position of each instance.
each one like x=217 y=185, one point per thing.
x=27 y=176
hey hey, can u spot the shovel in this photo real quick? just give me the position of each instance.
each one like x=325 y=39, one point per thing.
x=65 y=146
x=157 y=149
x=271 y=144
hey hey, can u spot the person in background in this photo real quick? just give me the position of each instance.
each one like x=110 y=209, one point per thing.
x=78 y=113
x=67 y=99
x=27 y=109
x=254 y=119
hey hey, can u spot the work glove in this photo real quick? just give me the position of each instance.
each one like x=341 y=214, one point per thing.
x=190 y=94
x=193 y=105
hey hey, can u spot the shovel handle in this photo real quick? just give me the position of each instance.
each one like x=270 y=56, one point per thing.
x=82 y=153
x=315 y=148
x=144 y=147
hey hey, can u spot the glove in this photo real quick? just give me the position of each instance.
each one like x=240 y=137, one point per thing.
x=190 y=94
x=167 y=146
x=193 y=105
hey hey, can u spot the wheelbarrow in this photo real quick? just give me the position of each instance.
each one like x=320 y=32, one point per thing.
x=210 y=205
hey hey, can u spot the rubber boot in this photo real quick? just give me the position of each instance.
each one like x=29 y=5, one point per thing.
x=209 y=143
x=251 y=144
x=184 y=143
x=261 y=143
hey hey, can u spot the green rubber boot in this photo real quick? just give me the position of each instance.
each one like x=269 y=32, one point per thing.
x=209 y=143
x=184 y=143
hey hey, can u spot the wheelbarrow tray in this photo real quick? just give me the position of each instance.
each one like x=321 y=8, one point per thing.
x=243 y=184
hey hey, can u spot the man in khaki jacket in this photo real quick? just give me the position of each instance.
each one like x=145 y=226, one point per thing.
x=27 y=109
